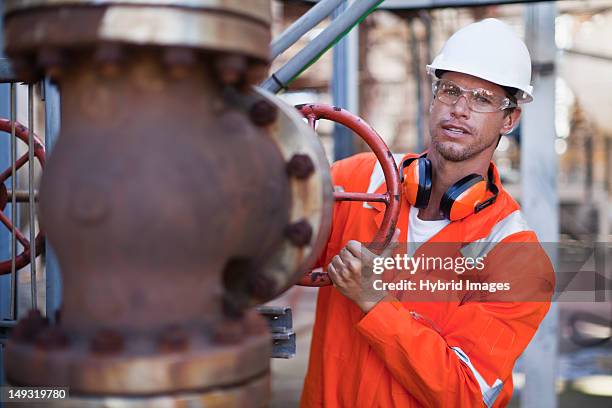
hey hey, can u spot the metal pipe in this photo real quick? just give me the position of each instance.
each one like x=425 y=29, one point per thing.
x=302 y=25
x=345 y=62
x=32 y=207
x=53 y=282
x=13 y=109
x=317 y=47
x=22 y=196
x=416 y=72
x=368 y=197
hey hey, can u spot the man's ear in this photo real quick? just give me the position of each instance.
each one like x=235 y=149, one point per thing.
x=511 y=121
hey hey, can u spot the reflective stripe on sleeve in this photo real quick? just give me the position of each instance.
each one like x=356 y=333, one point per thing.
x=378 y=177
x=489 y=393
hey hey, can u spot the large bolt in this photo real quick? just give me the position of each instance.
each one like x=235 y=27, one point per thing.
x=299 y=233
x=300 y=166
x=52 y=338
x=108 y=58
x=230 y=69
x=106 y=341
x=29 y=327
x=263 y=113
x=180 y=61
x=52 y=61
x=172 y=340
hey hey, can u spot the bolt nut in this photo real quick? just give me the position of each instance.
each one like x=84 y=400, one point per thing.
x=299 y=233
x=52 y=338
x=300 y=166
x=106 y=342
x=263 y=113
x=230 y=69
x=172 y=340
x=29 y=327
x=180 y=61
x=52 y=61
x=108 y=57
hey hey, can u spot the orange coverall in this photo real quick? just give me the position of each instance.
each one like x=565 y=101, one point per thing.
x=405 y=353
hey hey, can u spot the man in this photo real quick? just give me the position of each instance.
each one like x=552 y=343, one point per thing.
x=386 y=348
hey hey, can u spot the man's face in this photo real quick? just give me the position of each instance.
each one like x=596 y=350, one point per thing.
x=457 y=132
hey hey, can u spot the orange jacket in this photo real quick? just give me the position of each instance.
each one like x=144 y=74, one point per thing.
x=405 y=353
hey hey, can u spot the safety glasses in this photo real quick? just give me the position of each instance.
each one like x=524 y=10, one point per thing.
x=478 y=99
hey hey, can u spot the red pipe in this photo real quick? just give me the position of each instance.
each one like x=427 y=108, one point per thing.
x=391 y=199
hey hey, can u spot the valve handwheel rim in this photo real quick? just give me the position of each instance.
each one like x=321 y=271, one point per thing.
x=391 y=198
x=22 y=259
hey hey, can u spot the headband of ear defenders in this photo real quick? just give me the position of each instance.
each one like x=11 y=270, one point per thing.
x=450 y=197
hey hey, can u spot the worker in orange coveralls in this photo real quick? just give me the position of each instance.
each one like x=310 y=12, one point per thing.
x=386 y=348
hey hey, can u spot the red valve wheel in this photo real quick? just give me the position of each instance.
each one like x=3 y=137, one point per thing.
x=391 y=198
x=23 y=258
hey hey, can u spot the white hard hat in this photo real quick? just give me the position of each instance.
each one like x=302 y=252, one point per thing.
x=491 y=50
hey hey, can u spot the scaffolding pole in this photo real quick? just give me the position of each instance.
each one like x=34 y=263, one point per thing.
x=540 y=199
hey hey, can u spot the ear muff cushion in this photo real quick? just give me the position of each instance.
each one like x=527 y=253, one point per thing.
x=416 y=181
x=424 y=183
x=410 y=179
x=460 y=199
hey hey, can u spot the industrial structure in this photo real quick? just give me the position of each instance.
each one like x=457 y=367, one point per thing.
x=178 y=192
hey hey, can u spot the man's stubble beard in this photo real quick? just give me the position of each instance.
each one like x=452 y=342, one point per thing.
x=450 y=153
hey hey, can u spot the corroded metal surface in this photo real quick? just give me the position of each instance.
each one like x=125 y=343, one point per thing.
x=257 y=9
x=177 y=197
x=159 y=195
x=216 y=26
x=312 y=195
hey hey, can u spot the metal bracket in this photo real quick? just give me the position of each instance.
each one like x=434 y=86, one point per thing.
x=280 y=321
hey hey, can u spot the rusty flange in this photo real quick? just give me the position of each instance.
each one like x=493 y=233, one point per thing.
x=64 y=25
x=311 y=201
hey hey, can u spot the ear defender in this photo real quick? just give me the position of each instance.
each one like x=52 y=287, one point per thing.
x=467 y=196
x=416 y=181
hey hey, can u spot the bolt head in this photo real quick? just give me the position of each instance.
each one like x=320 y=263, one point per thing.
x=52 y=338
x=263 y=113
x=300 y=166
x=299 y=233
x=106 y=342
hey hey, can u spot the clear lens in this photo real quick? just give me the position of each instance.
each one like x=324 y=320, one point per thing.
x=479 y=100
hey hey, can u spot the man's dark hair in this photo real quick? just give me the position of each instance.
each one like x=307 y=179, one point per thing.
x=511 y=94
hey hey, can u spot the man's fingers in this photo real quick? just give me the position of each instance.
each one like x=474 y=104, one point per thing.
x=355 y=248
x=331 y=271
x=340 y=268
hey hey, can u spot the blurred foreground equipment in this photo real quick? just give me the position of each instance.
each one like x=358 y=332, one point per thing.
x=174 y=199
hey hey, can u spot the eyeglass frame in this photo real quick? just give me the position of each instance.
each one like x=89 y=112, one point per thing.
x=507 y=103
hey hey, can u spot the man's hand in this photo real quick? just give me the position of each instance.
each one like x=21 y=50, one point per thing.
x=351 y=273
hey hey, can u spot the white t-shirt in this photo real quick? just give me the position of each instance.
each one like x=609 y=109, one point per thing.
x=420 y=231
